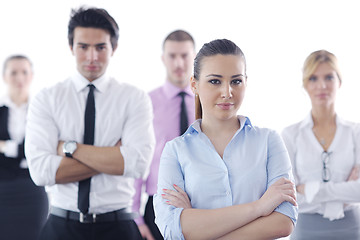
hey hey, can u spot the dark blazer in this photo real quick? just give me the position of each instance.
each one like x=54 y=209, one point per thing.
x=9 y=167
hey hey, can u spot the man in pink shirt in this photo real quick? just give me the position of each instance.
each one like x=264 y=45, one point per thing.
x=174 y=110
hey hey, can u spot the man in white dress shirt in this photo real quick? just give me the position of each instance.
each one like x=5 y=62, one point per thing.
x=89 y=137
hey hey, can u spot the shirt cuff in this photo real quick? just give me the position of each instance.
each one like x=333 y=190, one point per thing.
x=311 y=189
x=288 y=210
x=23 y=164
x=177 y=233
x=11 y=148
x=139 y=221
x=134 y=164
x=334 y=210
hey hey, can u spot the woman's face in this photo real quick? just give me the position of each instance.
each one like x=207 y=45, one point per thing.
x=221 y=86
x=323 y=85
x=18 y=76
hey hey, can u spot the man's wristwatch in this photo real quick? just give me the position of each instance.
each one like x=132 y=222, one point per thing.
x=69 y=148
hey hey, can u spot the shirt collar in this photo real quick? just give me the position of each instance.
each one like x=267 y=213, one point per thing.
x=340 y=121
x=309 y=123
x=81 y=82
x=6 y=101
x=196 y=126
x=172 y=91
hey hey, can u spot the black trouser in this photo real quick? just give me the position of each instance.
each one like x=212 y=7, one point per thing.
x=149 y=217
x=58 y=228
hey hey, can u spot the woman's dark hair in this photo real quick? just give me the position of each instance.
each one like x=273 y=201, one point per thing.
x=215 y=47
x=15 y=57
x=95 y=18
x=218 y=46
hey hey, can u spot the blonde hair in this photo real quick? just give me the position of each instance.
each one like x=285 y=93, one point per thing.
x=315 y=59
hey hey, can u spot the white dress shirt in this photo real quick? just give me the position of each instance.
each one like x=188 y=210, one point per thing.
x=16 y=128
x=122 y=112
x=332 y=198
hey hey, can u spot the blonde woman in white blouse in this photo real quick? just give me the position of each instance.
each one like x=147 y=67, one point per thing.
x=325 y=154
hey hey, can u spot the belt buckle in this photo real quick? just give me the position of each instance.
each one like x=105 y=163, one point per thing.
x=87 y=218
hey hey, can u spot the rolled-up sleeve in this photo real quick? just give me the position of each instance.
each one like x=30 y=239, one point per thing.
x=167 y=217
x=138 y=139
x=288 y=138
x=137 y=201
x=279 y=166
x=41 y=141
x=11 y=148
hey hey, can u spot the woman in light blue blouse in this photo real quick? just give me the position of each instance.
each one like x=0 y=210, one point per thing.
x=224 y=178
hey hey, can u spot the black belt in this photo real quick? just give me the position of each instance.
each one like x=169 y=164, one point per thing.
x=118 y=215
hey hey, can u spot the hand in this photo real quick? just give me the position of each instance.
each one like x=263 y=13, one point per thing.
x=282 y=190
x=145 y=232
x=300 y=189
x=177 y=198
x=354 y=174
x=60 y=149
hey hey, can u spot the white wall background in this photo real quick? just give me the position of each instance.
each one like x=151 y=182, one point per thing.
x=276 y=37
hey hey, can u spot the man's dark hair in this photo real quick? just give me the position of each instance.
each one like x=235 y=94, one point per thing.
x=179 y=36
x=95 y=18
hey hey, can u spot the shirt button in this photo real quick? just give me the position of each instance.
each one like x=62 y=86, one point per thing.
x=227 y=193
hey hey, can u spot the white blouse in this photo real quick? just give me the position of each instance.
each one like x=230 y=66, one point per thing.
x=331 y=198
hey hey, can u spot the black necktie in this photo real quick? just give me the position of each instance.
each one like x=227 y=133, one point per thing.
x=183 y=114
x=84 y=185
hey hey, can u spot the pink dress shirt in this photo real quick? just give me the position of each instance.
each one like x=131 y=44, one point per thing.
x=166 y=105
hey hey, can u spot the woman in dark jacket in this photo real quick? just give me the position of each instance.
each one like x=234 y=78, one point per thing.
x=23 y=205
